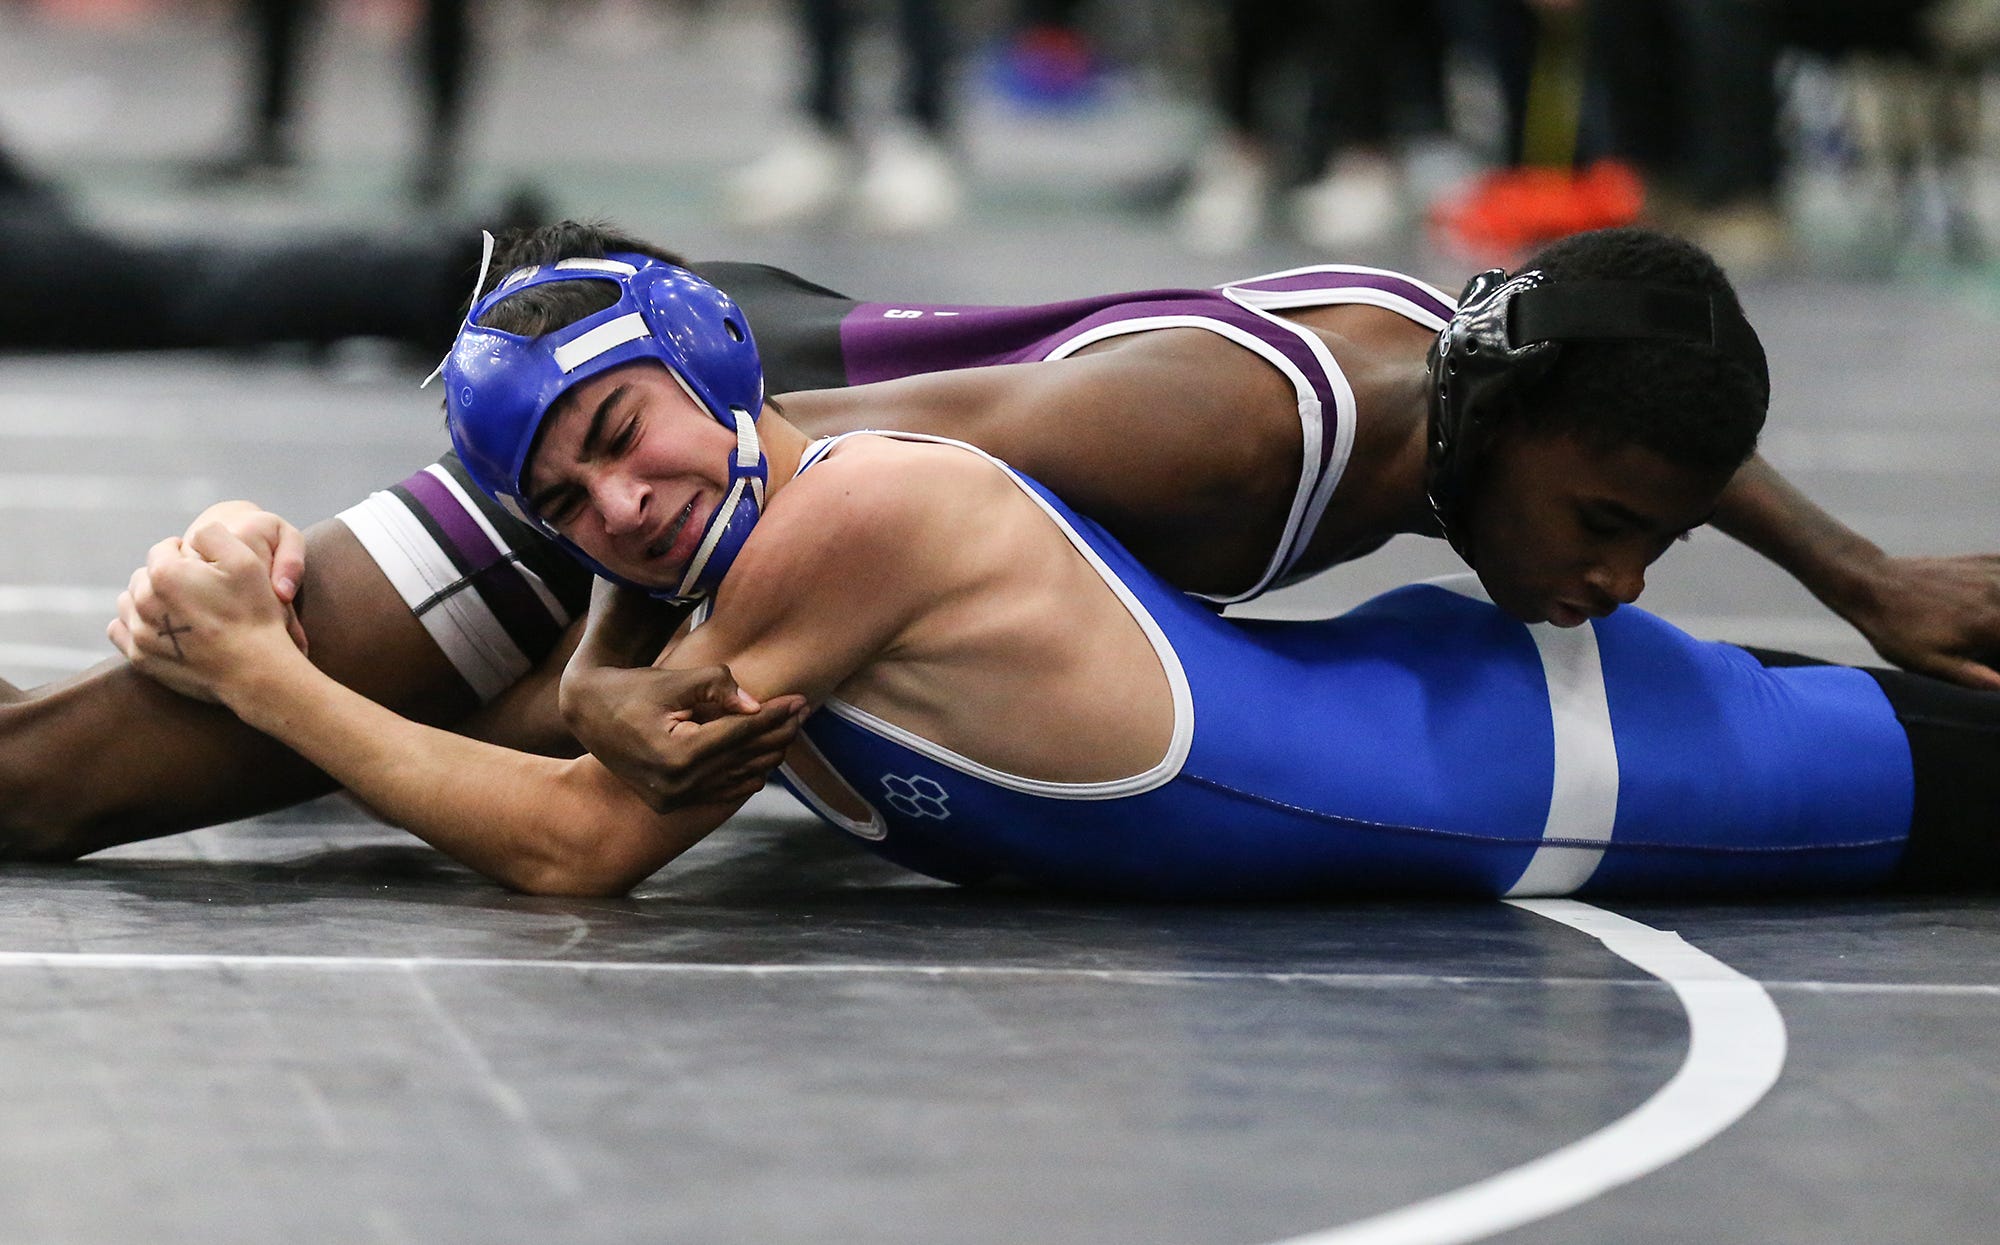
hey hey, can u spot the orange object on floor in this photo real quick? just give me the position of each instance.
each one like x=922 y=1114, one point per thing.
x=1503 y=213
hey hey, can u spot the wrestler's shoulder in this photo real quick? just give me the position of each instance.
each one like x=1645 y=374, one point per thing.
x=852 y=531
x=899 y=471
x=875 y=488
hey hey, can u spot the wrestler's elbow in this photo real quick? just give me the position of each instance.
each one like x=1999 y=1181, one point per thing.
x=567 y=881
x=586 y=835
x=576 y=851
x=569 y=863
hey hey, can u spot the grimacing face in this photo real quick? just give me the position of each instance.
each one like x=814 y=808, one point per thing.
x=629 y=468
x=1563 y=531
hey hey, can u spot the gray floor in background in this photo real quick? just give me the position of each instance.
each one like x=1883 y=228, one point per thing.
x=309 y=1028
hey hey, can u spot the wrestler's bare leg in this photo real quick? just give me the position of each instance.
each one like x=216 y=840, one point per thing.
x=109 y=757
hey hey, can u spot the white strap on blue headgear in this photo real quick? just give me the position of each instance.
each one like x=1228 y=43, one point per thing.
x=478 y=284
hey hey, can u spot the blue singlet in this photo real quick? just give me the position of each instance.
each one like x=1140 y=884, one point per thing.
x=1422 y=743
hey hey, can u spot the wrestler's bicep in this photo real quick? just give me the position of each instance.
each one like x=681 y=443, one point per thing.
x=777 y=661
x=838 y=569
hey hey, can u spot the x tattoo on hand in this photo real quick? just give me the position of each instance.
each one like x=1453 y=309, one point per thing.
x=174 y=635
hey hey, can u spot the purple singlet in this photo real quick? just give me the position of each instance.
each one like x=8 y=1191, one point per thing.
x=885 y=341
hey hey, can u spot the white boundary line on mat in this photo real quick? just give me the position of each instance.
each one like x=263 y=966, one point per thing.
x=1736 y=1048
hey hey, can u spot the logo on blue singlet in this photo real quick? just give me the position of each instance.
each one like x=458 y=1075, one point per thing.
x=915 y=796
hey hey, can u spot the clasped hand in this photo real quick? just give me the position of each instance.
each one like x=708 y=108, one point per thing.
x=680 y=737
x=215 y=606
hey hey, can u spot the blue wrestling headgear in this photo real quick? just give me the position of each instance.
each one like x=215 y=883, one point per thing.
x=499 y=387
x=1509 y=331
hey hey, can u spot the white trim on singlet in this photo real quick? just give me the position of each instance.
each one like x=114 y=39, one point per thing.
x=1583 y=795
x=1351 y=295
x=1346 y=416
x=556 y=610
x=1309 y=423
x=875 y=829
x=1266 y=303
x=468 y=632
x=1170 y=663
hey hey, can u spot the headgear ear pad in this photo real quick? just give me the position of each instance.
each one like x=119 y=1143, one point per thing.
x=1508 y=333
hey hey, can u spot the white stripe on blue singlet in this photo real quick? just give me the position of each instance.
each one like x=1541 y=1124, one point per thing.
x=1583 y=798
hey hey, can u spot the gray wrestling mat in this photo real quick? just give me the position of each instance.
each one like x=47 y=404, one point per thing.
x=310 y=1028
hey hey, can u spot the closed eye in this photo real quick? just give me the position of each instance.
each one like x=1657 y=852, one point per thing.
x=560 y=509
x=1597 y=524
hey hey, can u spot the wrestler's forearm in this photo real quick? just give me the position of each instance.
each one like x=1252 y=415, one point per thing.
x=533 y=823
x=1769 y=514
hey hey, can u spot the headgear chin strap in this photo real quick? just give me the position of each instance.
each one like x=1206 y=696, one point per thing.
x=1508 y=332
x=499 y=387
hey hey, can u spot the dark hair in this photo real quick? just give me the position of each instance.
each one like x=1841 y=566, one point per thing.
x=1694 y=405
x=545 y=308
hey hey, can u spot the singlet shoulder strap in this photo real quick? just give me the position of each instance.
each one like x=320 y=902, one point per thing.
x=1334 y=285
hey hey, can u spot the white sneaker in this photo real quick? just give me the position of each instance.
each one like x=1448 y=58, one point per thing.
x=910 y=185
x=802 y=178
x=1223 y=209
x=1359 y=202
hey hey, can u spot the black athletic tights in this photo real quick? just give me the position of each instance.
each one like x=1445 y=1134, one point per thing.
x=1954 y=737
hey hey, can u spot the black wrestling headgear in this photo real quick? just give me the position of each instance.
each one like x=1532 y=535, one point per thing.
x=1509 y=331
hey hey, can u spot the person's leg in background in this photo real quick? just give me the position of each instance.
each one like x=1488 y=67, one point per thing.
x=277 y=30
x=911 y=182
x=1550 y=178
x=1732 y=129
x=446 y=62
x=806 y=173
x=1234 y=171
x=1690 y=96
x=1362 y=53
x=67 y=286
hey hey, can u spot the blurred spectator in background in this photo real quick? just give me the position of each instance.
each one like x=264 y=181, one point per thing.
x=1691 y=92
x=278 y=30
x=909 y=178
x=1672 y=108
x=1372 y=71
x=1551 y=176
x=1690 y=97
x=1047 y=62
